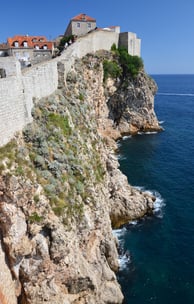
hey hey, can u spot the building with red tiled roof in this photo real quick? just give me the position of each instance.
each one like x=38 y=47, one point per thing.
x=37 y=42
x=83 y=24
x=83 y=17
x=80 y=25
x=28 y=49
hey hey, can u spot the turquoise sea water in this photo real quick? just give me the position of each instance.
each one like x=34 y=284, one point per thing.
x=161 y=265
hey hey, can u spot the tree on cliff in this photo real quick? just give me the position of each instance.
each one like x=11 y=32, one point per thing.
x=131 y=65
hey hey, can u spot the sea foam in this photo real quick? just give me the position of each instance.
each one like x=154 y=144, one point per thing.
x=147 y=133
x=121 y=157
x=159 y=203
x=124 y=260
x=124 y=257
x=126 y=137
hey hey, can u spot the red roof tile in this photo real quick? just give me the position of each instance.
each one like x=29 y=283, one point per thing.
x=32 y=41
x=83 y=17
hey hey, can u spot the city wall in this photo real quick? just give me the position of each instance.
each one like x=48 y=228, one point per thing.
x=19 y=89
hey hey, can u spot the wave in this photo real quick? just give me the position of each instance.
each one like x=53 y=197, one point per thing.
x=133 y=223
x=119 y=233
x=126 y=137
x=161 y=122
x=176 y=94
x=147 y=133
x=124 y=257
x=121 y=157
x=151 y=132
x=159 y=203
x=124 y=260
x=119 y=144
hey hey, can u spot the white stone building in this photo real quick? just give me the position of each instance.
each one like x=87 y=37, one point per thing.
x=80 y=25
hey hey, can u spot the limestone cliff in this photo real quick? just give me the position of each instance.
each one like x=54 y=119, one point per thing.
x=61 y=191
x=131 y=105
x=122 y=106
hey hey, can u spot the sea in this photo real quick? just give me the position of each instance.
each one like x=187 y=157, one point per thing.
x=157 y=252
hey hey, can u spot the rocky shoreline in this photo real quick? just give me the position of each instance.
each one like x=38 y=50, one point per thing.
x=61 y=190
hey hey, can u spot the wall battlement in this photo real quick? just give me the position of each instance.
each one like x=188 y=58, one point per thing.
x=19 y=89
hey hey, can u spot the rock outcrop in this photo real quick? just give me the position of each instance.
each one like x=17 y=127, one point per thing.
x=131 y=106
x=122 y=107
x=61 y=190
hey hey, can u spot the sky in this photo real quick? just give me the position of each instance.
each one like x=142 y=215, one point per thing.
x=165 y=27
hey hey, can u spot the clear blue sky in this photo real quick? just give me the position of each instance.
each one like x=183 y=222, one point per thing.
x=166 y=27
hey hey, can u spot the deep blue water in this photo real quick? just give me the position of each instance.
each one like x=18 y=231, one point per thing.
x=161 y=267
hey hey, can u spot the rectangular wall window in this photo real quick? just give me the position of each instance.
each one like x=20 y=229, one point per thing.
x=78 y=24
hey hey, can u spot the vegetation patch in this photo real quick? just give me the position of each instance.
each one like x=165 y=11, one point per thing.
x=8 y=151
x=64 y=40
x=65 y=159
x=56 y=120
x=111 y=69
x=122 y=65
x=131 y=65
x=35 y=218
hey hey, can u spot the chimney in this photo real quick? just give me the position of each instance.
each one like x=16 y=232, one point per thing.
x=84 y=17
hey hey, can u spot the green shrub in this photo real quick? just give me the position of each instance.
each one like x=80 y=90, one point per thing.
x=19 y=171
x=113 y=47
x=36 y=198
x=114 y=50
x=35 y=218
x=131 y=65
x=60 y=122
x=2 y=167
x=64 y=40
x=39 y=161
x=50 y=190
x=9 y=150
x=124 y=64
x=81 y=97
x=111 y=69
x=59 y=207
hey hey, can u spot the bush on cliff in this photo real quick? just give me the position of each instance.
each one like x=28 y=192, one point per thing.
x=131 y=65
x=111 y=69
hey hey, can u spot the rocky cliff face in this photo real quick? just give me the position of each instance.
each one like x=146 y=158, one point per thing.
x=131 y=105
x=122 y=106
x=61 y=191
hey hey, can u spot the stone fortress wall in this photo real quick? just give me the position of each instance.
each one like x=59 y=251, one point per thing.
x=20 y=89
x=131 y=42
